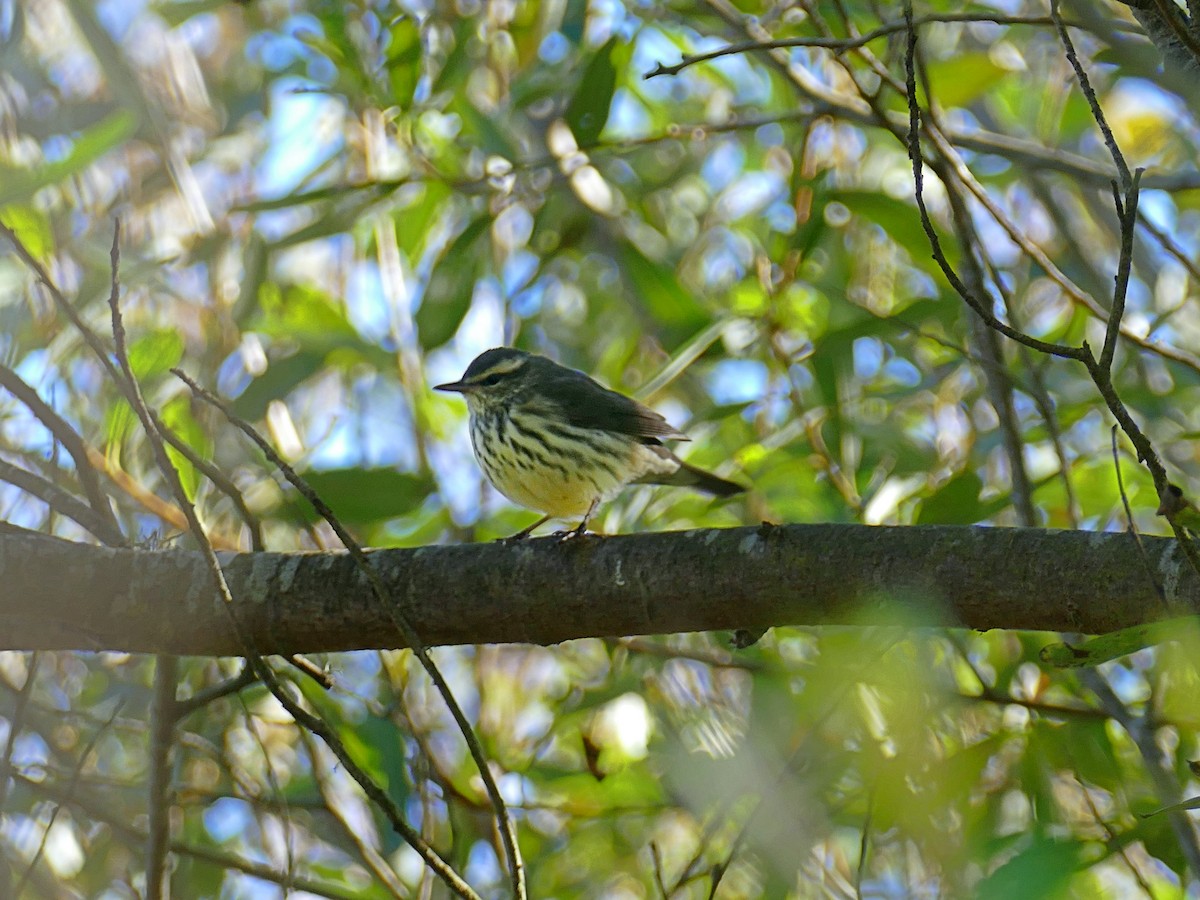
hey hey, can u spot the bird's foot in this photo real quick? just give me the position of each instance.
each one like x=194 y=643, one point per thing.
x=578 y=531
x=581 y=529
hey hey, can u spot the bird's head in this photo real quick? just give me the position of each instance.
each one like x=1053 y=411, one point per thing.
x=495 y=378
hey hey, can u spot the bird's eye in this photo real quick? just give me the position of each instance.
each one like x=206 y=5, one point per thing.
x=491 y=380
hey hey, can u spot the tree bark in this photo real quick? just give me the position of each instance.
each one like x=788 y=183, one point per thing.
x=58 y=595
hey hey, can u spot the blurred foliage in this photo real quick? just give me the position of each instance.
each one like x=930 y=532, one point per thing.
x=328 y=206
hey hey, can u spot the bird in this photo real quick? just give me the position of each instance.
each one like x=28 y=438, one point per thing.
x=554 y=440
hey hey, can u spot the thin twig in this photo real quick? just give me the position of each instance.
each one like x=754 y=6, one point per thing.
x=864 y=845
x=110 y=530
x=303 y=718
x=1131 y=524
x=1085 y=85
x=88 y=461
x=917 y=159
x=134 y=837
x=656 y=862
x=1143 y=736
x=242 y=679
x=1169 y=13
x=72 y=786
x=370 y=856
x=284 y=811
x=1127 y=215
x=62 y=502
x=1114 y=839
x=16 y=722
x=65 y=307
x=399 y=619
x=162 y=737
x=842 y=44
x=222 y=482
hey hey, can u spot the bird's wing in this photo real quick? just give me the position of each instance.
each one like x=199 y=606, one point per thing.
x=586 y=404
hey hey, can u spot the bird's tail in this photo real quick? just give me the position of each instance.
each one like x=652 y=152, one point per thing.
x=688 y=475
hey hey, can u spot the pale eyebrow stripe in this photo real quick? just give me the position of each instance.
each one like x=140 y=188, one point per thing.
x=503 y=368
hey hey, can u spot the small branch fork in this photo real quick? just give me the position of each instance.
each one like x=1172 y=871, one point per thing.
x=1125 y=198
x=398 y=618
x=305 y=719
x=98 y=517
x=1125 y=194
x=841 y=45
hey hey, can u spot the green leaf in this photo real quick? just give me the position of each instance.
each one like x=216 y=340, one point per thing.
x=588 y=110
x=574 y=20
x=963 y=77
x=389 y=763
x=364 y=496
x=32 y=228
x=404 y=60
x=155 y=353
x=657 y=285
x=177 y=416
x=452 y=286
x=280 y=378
x=303 y=313
x=316 y=195
x=484 y=130
x=899 y=218
x=426 y=204
x=338 y=219
x=1182 y=806
x=87 y=147
x=955 y=503
x=1042 y=870
x=1109 y=646
x=119 y=422
x=255 y=259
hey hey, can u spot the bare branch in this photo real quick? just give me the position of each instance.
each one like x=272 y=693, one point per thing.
x=16 y=722
x=71 y=596
x=158 y=788
x=1127 y=214
x=1085 y=85
x=61 y=502
x=214 y=577
x=107 y=528
x=400 y=620
x=67 y=796
x=841 y=45
x=979 y=304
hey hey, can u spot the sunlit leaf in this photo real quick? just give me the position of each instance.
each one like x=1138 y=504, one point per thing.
x=280 y=378
x=589 y=107
x=177 y=416
x=32 y=229
x=155 y=354
x=451 y=285
x=86 y=148
x=955 y=503
x=962 y=78
x=1103 y=648
x=404 y=60
x=1045 y=863
x=362 y=496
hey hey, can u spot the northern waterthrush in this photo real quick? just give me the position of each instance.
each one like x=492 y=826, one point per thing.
x=551 y=439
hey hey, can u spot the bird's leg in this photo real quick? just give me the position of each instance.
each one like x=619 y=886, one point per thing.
x=581 y=528
x=524 y=532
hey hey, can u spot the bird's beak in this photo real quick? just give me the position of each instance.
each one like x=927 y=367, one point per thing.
x=460 y=387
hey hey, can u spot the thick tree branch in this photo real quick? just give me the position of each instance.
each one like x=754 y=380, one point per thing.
x=63 y=596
